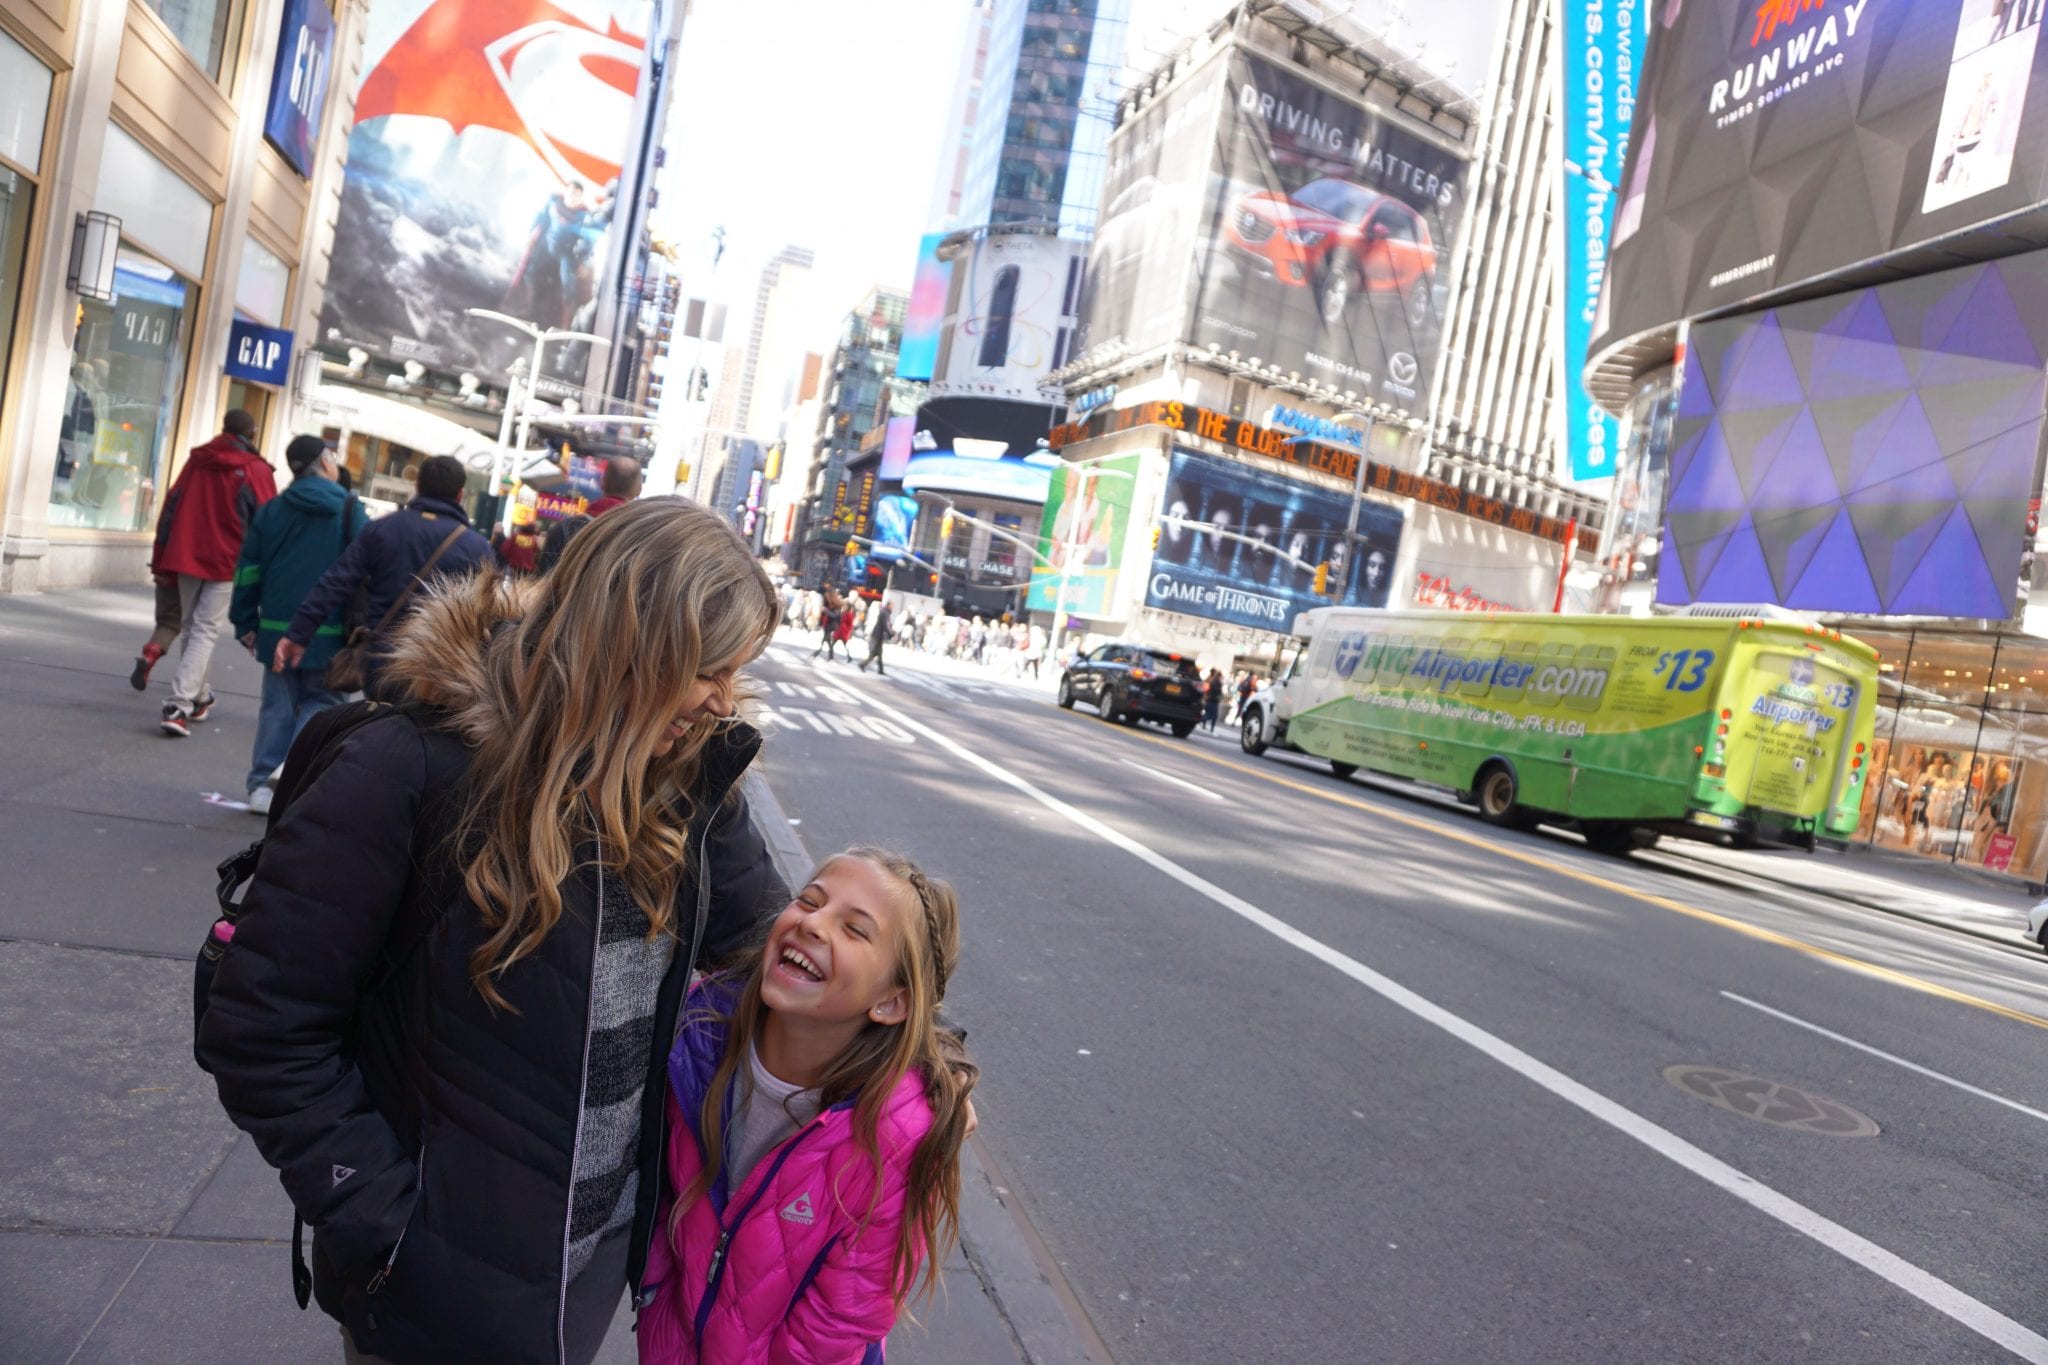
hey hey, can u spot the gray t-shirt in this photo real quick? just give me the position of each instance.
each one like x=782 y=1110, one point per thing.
x=769 y=1110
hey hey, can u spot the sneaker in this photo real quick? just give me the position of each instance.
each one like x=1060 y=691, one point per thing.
x=175 y=722
x=259 y=800
x=203 y=708
x=139 y=678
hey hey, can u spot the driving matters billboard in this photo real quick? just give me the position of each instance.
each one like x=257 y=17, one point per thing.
x=1776 y=143
x=1253 y=209
x=482 y=167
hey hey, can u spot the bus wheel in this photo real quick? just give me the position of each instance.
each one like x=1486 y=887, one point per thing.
x=1616 y=838
x=1494 y=792
x=1249 y=736
x=1343 y=769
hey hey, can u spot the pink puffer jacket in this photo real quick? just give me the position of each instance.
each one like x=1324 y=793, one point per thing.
x=781 y=1270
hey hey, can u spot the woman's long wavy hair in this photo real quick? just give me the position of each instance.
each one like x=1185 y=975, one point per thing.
x=580 y=676
x=869 y=1071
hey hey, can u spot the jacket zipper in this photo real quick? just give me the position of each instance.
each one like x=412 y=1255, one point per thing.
x=646 y=1294
x=576 y=1142
x=727 y=1229
x=384 y=1271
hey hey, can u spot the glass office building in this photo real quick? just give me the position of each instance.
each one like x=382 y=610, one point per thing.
x=1041 y=135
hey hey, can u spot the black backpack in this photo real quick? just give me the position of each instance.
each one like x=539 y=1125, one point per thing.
x=310 y=754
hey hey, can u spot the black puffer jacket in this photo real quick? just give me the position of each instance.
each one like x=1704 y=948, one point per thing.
x=401 y=1110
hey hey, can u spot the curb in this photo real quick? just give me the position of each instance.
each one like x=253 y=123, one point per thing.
x=1010 y=1260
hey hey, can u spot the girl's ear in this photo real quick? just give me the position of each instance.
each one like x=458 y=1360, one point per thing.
x=893 y=1008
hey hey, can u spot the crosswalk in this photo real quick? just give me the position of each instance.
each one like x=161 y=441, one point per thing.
x=819 y=707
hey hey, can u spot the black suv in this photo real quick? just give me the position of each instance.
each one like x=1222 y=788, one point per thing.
x=1133 y=683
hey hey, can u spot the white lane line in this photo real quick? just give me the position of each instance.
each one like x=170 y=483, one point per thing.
x=1879 y=1052
x=1169 y=777
x=1930 y=1289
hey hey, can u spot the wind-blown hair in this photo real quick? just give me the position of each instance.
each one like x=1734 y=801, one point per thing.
x=564 y=686
x=869 y=1070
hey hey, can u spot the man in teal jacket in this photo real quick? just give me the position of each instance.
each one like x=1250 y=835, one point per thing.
x=291 y=541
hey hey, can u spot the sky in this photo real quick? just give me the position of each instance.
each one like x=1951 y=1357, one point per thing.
x=810 y=123
x=818 y=123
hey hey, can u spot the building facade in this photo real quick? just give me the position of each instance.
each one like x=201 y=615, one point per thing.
x=1316 y=340
x=1832 y=403
x=837 y=505
x=1043 y=111
x=163 y=172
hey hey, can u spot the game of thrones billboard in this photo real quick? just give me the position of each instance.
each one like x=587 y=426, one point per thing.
x=482 y=169
x=1779 y=142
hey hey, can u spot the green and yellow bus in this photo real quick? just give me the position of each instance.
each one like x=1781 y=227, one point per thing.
x=1736 y=729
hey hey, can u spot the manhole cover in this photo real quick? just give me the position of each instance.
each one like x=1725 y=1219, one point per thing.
x=1756 y=1098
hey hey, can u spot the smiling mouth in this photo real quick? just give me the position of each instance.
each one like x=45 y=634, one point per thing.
x=795 y=963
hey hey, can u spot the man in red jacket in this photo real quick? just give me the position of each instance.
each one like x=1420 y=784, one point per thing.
x=198 y=539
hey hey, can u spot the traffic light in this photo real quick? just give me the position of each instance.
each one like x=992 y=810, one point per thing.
x=946 y=527
x=935 y=580
x=1323 y=580
x=1155 y=537
x=852 y=547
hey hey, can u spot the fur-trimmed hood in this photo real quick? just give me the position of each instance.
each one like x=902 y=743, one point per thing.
x=436 y=655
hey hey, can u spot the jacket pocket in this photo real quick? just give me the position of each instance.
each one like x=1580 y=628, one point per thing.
x=382 y=1273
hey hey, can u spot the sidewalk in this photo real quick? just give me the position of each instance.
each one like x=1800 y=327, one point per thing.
x=135 y=1222
x=1916 y=888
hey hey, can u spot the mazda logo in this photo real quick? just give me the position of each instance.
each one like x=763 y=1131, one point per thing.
x=1401 y=367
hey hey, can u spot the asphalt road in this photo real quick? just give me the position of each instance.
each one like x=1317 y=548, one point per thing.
x=1291 y=1068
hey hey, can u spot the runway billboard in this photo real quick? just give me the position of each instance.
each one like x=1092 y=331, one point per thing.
x=1221 y=525
x=482 y=168
x=1782 y=142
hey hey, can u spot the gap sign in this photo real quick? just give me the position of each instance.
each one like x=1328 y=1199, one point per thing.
x=1603 y=55
x=259 y=354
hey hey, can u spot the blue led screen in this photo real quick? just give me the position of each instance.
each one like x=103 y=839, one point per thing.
x=1875 y=452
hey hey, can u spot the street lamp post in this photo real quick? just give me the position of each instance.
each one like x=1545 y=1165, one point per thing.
x=540 y=336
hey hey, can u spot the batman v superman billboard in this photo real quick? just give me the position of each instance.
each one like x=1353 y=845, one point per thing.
x=482 y=168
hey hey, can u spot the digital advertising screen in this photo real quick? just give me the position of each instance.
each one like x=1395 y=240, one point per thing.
x=1219 y=528
x=1876 y=452
x=1009 y=320
x=482 y=170
x=1782 y=142
x=919 y=351
x=1603 y=61
x=1081 y=536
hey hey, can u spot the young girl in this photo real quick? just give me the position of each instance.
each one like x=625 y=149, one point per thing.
x=815 y=1119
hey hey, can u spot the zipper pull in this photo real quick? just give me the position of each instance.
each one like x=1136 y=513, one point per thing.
x=718 y=1255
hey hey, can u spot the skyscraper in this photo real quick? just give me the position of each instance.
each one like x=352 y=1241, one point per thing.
x=1042 y=116
x=753 y=379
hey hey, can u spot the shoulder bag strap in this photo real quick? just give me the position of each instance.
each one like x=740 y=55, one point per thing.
x=391 y=613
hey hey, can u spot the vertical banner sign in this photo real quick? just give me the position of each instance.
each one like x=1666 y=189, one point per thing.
x=1603 y=53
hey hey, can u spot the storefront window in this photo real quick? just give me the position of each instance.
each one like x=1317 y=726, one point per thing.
x=128 y=365
x=1960 y=759
x=17 y=197
x=200 y=26
x=24 y=106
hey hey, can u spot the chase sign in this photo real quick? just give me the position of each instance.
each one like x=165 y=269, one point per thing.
x=259 y=354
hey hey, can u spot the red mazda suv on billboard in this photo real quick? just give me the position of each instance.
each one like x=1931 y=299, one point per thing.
x=1338 y=239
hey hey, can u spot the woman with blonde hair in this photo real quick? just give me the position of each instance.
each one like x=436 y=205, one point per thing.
x=448 y=1000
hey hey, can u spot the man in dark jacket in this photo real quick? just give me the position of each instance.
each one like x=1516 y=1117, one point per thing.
x=291 y=542
x=198 y=539
x=389 y=557
x=880 y=621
